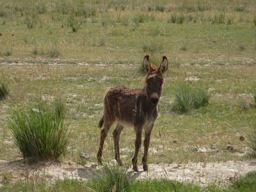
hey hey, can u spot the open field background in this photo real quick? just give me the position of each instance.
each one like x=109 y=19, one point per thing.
x=76 y=50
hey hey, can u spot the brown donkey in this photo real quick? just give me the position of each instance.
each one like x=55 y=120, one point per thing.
x=133 y=107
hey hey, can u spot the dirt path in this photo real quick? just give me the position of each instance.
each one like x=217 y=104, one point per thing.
x=200 y=173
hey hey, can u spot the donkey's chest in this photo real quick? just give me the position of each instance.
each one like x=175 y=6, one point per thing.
x=145 y=116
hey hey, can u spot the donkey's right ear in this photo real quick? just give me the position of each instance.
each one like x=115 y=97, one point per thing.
x=146 y=64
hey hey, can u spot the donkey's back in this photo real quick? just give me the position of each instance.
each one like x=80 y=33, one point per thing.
x=119 y=105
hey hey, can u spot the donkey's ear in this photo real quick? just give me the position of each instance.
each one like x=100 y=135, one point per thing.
x=146 y=64
x=163 y=66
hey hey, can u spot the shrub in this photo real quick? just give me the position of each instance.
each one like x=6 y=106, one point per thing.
x=179 y=19
x=219 y=18
x=152 y=48
x=7 y=52
x=53 y=52
x=160 y=8
x=252 y=138
x=30 y=22
x=39 y=130
x=112 y=178
x=36 y=51
x=74 y=24
x=187 y=99
x=3 y=91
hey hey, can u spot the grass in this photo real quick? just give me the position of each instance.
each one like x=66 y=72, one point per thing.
x=119 y=181
x=76 y=28
x=187 y=98
x=112 y=179
x=39 y=131
x=252 y=138
x=3 y=91
x=76 y=51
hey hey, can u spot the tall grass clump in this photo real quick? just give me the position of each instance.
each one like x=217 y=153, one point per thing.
x=39 y=130
x=3 y=91
x=53 y=52
x=178 y=19
x=6 y=52
x=187 y=98
x=252 y=139
x=74 y=24
x=112 y=178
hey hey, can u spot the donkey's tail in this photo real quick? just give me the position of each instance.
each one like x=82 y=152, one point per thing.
x=101 y=122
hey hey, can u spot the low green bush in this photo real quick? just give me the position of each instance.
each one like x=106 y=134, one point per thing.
x=112 y=178
x=187 y=98
x=39 y=131
x=252 y=139
x=3 y=91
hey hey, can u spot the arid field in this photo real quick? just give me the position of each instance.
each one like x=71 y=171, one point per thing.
x=76 y=50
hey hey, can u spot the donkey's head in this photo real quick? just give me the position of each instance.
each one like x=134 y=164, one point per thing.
x=154 y=79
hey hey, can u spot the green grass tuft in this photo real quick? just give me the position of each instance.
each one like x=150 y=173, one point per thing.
x=3 y=91
x=6 y=52
x=53 y=52
x=245 y=184
x=187 y=98
x=159 y=185
x=39 y=131
x=112 y=178
x=252 y=140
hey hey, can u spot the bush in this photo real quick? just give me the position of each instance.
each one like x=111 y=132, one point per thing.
x=53 y=52
x=112 y=179
x=3 y=91
x=6 y=52
x=187 y=98
x=252 y=139
x=179 y=19
x=39 y=131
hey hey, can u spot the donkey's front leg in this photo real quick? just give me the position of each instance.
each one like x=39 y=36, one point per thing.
x=146 y=146
x=137 y=147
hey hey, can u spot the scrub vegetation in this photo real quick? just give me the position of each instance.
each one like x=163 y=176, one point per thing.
x=75 y=50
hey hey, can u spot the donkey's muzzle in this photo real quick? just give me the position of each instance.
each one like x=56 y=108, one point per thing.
x=154 y=98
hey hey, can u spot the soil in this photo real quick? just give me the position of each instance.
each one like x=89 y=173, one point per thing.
x=220 y=173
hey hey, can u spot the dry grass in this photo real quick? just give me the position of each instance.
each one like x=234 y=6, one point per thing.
x=178 y=138
x=57 y=50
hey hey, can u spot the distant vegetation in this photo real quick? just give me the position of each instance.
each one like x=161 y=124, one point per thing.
x=80 y=29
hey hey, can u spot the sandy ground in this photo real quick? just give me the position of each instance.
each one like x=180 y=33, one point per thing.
x=220 y=173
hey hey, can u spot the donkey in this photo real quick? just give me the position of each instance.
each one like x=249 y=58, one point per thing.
x=133 y=107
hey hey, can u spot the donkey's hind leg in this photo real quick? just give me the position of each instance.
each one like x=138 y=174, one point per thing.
x=116 y=136
x=103 y=135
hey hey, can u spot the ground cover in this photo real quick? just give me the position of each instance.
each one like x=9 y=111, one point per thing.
x=54 y=50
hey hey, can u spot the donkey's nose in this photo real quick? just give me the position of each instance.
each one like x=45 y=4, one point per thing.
x=154 y=100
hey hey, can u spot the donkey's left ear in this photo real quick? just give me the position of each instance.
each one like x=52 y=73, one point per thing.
x=163 y=66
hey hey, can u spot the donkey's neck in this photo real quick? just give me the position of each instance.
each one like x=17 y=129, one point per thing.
x=145 y=104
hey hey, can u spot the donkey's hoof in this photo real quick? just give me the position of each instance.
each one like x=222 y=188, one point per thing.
x=145 y=167
x=135 y=168
x=99 y=161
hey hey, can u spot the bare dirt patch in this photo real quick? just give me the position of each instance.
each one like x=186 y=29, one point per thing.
x=220 y=173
